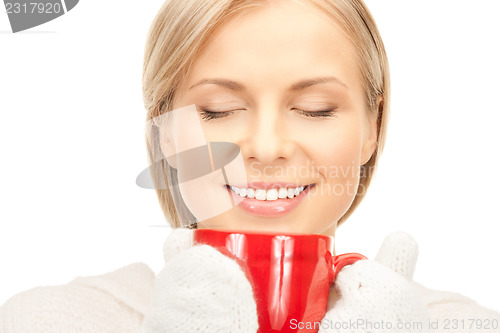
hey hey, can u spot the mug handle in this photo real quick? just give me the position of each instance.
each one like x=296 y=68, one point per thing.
x=343 y=260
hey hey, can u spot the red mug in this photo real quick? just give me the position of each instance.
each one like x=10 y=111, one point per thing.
x=290 y=274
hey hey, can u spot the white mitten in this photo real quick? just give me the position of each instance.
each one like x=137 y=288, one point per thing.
x=200 y=290
x=379 y=295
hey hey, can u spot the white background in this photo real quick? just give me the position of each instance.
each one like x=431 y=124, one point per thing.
x=72 y=144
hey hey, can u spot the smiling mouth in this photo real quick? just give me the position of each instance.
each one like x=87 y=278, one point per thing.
x=269 y=200
x=271 y=194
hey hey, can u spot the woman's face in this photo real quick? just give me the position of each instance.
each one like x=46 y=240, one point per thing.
x=282 y=83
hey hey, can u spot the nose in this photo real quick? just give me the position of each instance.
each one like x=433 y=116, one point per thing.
x=269 y=140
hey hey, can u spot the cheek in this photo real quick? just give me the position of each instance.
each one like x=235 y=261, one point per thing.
x=335 y=154
x=203 y=199
x=335 y=147
x=203 y=189
x=235 y=129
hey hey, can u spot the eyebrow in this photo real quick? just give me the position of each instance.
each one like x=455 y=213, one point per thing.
x=233 y=85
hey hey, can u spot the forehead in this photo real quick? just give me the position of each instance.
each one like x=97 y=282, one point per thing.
x=276 y=43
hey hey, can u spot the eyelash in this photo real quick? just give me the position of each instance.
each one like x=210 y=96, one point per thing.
x=208 y=115
x=317 y=114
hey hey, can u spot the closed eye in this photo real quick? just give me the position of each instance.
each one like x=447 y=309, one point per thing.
x=208 y=115
x=317 y=114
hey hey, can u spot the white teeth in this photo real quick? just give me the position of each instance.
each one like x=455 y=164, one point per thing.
x=260 y=194
x=271 y=194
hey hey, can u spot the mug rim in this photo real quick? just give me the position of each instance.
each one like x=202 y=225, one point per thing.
x=263 y=233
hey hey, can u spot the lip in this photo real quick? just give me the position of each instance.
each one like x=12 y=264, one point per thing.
x=273 y=208
x=268 y=186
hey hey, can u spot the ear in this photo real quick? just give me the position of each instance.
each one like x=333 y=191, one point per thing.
x=371 y=132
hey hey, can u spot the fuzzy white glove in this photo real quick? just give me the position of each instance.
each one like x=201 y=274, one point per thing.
x=200 y=290
x=379 y=295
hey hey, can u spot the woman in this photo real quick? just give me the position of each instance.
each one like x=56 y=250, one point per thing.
x=296 y=85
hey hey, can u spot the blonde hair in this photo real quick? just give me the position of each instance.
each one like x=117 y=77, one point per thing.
x=179 y=33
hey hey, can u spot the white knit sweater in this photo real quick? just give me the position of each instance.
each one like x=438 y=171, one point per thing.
x=117 y=302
